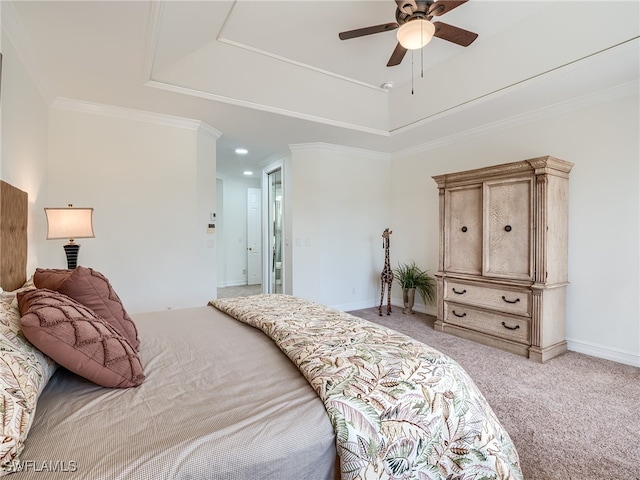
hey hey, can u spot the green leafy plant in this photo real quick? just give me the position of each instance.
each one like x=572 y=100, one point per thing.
x=409 y=275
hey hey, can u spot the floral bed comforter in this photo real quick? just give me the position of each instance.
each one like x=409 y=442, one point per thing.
x=400 y=409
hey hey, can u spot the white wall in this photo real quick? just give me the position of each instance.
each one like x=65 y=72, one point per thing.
x=232 y=234
x=206 y=199
x=152 y=186
x=219 y=237
x=339 y=202
x=603 y=311
x=0 y=96
x=24 y=154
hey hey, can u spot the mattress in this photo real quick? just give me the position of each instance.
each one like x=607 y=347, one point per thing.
x=220 y=401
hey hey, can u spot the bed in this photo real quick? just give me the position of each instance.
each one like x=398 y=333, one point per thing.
x=262 y=387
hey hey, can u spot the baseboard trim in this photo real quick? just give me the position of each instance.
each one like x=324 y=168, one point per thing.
x=347 y=307
x=236 y=283
x=607 y=353
x=395 y=303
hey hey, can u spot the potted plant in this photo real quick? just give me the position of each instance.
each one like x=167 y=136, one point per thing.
x=413 y=279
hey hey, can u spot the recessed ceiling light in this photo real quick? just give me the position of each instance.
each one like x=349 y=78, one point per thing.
x=247 y=172
x=242 y=151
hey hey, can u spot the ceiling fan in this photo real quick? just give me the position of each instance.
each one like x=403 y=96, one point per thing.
x=415 y=28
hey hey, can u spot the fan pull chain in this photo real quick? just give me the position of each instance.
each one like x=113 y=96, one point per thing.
x=411 y=72
x=421 y=51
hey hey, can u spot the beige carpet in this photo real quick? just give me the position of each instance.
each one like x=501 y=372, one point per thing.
x=574 y=417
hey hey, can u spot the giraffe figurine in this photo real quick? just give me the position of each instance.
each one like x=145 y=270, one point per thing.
x=387 y=274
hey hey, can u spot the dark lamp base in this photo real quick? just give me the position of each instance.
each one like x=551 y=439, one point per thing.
x=71 y=249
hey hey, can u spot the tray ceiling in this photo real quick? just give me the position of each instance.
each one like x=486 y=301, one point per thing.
x=272 y=73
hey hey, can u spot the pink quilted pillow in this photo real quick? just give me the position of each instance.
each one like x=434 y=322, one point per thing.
x=50 y=278
x=93 y=290
x=79 y=340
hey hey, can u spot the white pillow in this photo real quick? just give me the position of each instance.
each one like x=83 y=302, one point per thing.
x=24 y=372
x=10 y=297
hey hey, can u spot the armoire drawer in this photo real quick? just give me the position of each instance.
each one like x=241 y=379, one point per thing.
x=496 y=298
x=504 y=326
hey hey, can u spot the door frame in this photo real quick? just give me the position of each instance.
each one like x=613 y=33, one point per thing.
x=266 y=259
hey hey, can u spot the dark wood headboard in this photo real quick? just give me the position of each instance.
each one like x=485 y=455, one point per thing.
x=14 y=210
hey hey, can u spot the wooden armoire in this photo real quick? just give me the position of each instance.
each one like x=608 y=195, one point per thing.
x=502 y=271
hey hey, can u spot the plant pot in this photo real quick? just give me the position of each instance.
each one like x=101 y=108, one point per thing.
x=408 y=298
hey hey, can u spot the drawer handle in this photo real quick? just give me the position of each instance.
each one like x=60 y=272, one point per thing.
x=464 y=229
x=510 y=328
x=457 y=292
x=507 y=228
x=458 y=315
x=510 y=301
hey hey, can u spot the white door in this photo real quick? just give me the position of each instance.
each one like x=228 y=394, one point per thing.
x=254 y=242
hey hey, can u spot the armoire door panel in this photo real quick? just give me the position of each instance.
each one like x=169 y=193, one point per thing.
x=464 y=230
x=508 y=229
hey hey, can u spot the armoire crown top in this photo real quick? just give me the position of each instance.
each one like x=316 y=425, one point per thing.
x=538 y=166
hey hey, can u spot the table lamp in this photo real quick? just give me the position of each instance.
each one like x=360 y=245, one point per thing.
x=70 y=223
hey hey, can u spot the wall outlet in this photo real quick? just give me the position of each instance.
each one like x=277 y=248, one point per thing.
x=244 y=271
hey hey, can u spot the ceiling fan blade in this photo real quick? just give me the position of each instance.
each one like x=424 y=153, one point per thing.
x=361 y=32
x=454 y=34
x=407 y=6
x=397 y=56
x=443 y=6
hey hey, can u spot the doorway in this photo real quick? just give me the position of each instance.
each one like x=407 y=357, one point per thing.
x=274 y=266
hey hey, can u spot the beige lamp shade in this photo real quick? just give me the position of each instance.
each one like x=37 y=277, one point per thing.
x=69 y=223
x=415 y=34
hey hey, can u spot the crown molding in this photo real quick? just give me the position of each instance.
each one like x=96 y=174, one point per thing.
x=586 y=101
x=300 y=64
x=151 y=39
x=277 y=157
x=264 y=108
x=206 y=129
x=73 y=105
x=338 y=149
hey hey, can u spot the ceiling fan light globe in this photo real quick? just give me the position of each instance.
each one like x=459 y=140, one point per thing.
x=416 y=33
